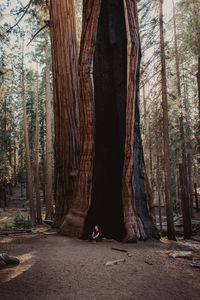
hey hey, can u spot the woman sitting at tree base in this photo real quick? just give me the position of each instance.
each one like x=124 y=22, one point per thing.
x=96 y=235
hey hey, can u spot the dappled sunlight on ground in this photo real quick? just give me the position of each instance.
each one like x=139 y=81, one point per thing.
x=56 y=267
x=26 y=262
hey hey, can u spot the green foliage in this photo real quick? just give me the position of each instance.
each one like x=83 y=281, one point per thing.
x=22 y=222
x=5 y=226
x=190 y=17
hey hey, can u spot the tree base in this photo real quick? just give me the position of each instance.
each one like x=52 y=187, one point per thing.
x=73 y=224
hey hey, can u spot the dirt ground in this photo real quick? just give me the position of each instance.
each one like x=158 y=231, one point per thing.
x=57 y=267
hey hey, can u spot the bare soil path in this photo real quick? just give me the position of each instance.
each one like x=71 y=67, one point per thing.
x=56 y=267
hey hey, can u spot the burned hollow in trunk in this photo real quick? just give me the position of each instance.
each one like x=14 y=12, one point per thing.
x=111 y=187
x=110 y=84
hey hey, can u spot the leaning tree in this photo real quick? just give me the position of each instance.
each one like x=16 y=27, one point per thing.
x=111 y=186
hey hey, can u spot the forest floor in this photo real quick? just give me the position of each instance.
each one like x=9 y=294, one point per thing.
x=57 y=267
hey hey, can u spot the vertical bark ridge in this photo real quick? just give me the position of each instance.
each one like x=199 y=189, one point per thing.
x=134 y=192
x=48 y=194
x=74 y=221
x=27 y=148
x=37 y=181
x=136 y=217
x=66 y=97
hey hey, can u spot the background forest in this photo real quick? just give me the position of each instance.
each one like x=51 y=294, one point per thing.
x=26 y=100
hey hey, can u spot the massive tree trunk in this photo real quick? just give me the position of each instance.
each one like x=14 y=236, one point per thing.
x=66 y=97
x=27 y=149
x=111 y=188
x=169 y=210
x=48 y=194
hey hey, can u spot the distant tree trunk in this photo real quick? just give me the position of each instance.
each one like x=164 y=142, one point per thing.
x=3 y=199
x=27 y=149
x=111 y=188
x=49 y=191
x=66 y=99
x=188 y=144
x=21 y=163
x=182 y=133
x=196 y=197
x=150 y=155
x=198 y=87
x=169 y=209
x=150 y=151
x=10 y=188
x=43 y=181
x=37 y=181
x=1 y=196
x=15 y=163
x=158 y=181
x=185 y=204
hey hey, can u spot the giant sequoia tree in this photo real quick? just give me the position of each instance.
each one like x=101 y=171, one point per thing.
x=66 y=97
x=111 y=187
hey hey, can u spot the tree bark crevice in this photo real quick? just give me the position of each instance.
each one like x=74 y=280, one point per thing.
x=111 y=187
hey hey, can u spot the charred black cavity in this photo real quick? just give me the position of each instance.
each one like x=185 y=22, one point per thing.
x=110 y=88
x=110 y=68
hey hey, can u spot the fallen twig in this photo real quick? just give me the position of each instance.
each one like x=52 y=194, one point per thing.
x=118 y=249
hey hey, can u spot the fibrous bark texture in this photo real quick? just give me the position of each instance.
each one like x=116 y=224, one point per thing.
x=48 y=194
x=66 y=97
x=27 y=148
x=111 y=188
x=37 y=180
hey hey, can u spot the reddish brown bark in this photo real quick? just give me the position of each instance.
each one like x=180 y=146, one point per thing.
x=198 y=87
x=37 y=181
x=169 y=210
x=49 y=191
x=66 y=97
x=75 y=219
x=185 y=204
x=27 y=149
x=136 y=227
x=159 y=179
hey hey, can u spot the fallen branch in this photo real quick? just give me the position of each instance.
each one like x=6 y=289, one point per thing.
x=148 y=262
x=118 y=249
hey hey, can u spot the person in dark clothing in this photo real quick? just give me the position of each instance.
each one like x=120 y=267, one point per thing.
x=96 y=235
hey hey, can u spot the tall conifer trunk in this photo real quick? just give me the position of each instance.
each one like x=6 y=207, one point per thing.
x=169 y=209
x=198 y=87
x=66 y=98
x=49 y=191
x=111 y=187
x=187 y=183
x=37 y=181
x=27 y=148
